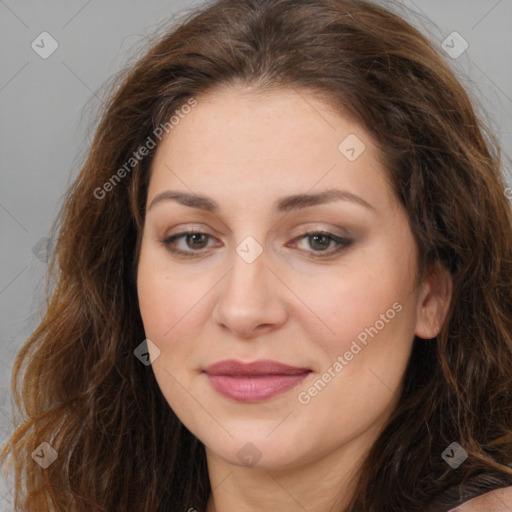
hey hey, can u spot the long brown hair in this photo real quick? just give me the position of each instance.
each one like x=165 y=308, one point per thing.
x=76 y=381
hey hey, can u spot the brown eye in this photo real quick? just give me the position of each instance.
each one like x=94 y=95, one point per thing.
x=197 y=240
x=321 y=244
x=188 y=243
x=319 y=241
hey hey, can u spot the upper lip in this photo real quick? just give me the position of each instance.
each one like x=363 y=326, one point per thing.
x=261 y=367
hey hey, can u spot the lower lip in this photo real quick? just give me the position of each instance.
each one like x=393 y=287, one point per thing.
x=254 y=389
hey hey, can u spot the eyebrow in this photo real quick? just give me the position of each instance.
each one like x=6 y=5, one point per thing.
x=285 y=204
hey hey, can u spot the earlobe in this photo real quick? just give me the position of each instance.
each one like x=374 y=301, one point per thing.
x=434 y=300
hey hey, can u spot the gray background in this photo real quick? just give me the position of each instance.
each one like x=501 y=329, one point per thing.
x=47 y=108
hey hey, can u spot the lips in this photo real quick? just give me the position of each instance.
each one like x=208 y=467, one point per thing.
x=253 y=382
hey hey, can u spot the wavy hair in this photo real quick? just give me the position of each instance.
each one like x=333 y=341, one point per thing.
x=76 y=382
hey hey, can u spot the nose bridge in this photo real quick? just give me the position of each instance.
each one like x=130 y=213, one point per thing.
x=246 y=279
x=247 y=298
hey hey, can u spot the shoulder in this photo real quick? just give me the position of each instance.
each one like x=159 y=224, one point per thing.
x=499 y=500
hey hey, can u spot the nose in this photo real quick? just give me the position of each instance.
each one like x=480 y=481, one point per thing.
x=251 y=299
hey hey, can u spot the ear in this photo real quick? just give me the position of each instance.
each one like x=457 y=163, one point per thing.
x=434 y=296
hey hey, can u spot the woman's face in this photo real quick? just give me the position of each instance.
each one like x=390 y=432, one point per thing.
x=302 y=256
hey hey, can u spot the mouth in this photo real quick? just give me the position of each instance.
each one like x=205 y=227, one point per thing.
x=254 y=382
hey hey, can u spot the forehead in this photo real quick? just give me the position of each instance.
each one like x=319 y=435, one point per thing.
x=266 y=144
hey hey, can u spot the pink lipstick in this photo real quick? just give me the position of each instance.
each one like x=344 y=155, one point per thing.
x=253 y=382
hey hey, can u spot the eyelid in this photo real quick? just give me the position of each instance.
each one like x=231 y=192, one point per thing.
x=340 y=241
x=166 y=242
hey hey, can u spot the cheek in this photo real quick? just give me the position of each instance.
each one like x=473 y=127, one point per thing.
x=362 y=364
x=347 y=303
x=368 y=319
x=165 y=296
x=162 y=306
x=155 y=299
x=168 y=315
x=174 y=308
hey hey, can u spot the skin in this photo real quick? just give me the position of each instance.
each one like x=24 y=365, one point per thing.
x=246 y=150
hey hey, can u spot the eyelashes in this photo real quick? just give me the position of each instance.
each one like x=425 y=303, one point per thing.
x=323 y=244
